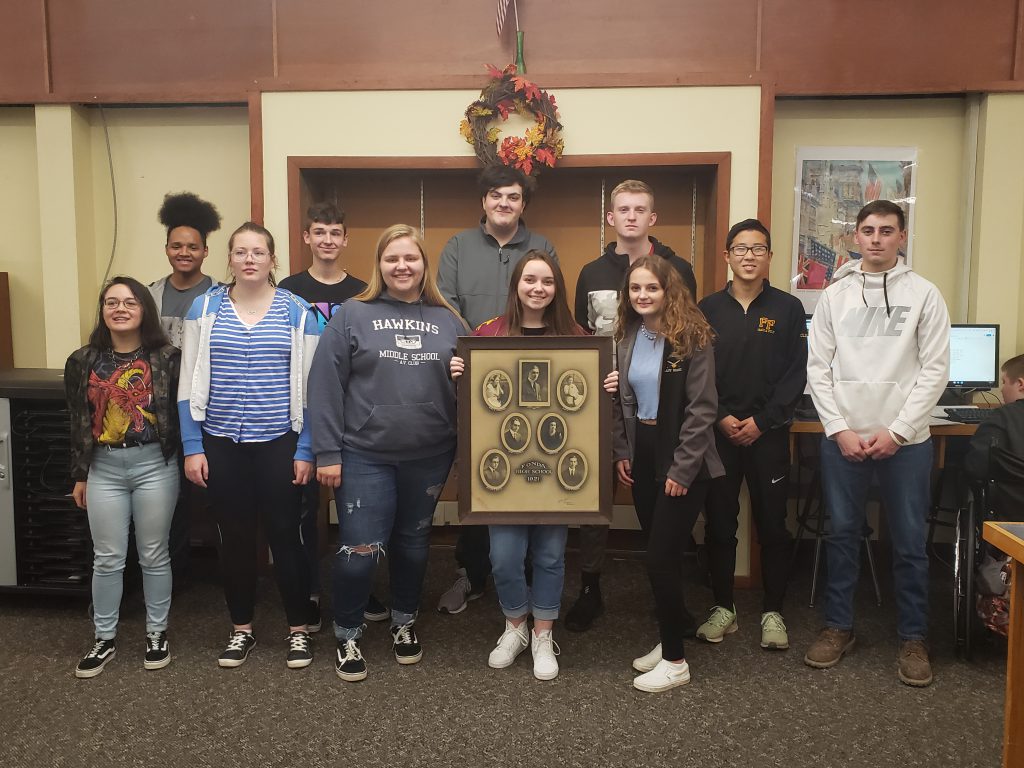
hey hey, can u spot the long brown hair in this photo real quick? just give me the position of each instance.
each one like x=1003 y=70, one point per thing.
x=682 y=323
x=558 y=320
x=429 y=291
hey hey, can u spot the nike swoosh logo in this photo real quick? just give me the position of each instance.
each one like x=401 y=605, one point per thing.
x=778 y=479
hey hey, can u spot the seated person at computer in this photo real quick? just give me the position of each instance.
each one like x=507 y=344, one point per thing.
x=1004 y=428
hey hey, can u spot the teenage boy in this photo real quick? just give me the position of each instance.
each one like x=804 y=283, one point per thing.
x=188 y=221
x=760 y=372
x=1004 y=427
x=878 y=360
x=325 y=285
x=474 y=272
x=631 y=212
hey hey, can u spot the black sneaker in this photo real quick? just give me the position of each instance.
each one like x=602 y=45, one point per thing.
x=407 y=647
x=96 y=659
x=350 y=665
x=314 y=622
x=300 y=652
x=158 y=651
x=585 y=611
x=376 y=610
x=240 y=645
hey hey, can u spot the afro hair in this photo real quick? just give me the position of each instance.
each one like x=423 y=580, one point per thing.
x=188 y=210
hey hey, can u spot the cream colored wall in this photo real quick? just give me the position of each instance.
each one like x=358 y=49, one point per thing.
x=20 y=245
x=997 y=273
x=204 y=150
x=371 y=123
x=934 y=126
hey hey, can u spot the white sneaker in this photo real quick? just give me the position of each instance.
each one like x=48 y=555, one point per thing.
x=545 y=649
x=512 y=642
x=665 y=675
x=649 y=661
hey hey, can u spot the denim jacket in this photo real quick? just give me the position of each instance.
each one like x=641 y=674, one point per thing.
x=164 y=362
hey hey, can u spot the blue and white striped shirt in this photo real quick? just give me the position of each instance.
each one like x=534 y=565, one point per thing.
x=249 y=375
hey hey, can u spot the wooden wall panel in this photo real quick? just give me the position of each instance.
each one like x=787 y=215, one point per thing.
x=318 y=43
x=195 y=50
x=104 y=51
x=22 y=51
x=880 y=46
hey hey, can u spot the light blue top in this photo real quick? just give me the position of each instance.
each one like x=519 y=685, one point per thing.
x=249 y=375
x=645 y=373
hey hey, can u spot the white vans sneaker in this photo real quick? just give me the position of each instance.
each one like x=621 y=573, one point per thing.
x=512 y=642
x=665 y=675
x=648 y=662
x=545 y=649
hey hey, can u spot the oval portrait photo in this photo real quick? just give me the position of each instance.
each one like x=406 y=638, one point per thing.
x=552 y=433
x=497 y=390
x=572 y=390
x=515 y=433
x=572 y=470
x=494 y=470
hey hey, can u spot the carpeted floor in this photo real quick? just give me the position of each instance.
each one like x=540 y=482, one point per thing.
x=744 y=706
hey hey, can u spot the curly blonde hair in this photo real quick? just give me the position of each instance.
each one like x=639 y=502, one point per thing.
x=682 y=323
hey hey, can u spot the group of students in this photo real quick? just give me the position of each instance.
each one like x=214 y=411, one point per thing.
x=281 y=389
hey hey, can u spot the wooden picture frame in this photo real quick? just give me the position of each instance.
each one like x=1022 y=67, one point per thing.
x=529 y=453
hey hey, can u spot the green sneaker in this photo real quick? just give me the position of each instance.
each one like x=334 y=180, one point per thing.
x=721 y=622
x=773 y=632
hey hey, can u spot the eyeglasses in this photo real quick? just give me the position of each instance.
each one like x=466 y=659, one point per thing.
x=129 y=303
x=258 y=254
x=741 y=250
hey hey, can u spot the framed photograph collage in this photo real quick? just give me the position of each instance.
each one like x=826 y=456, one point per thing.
x=535 y=430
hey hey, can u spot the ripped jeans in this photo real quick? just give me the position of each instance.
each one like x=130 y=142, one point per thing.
x=384 y=502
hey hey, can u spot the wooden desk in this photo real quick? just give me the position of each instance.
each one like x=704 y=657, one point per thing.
x=1009 y=537
x=940 y=431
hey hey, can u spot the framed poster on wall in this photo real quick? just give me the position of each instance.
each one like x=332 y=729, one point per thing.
x=832 y=185
x=535 y=430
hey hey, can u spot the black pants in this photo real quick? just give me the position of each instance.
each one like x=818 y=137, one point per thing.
x=251 y=483
x=765 y=467
x=669 y=522
x=473 y=552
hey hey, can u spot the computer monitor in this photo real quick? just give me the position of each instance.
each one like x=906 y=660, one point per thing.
x=973 y=356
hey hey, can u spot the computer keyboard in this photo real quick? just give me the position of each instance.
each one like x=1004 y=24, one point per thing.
x=967 y=415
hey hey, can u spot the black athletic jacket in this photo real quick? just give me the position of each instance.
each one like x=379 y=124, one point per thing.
x=600 y=282
x=760 y=355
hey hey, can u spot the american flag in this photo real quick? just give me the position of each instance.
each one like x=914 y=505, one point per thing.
x=823 y=255
x=502 y=12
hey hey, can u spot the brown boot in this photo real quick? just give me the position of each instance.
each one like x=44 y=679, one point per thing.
x=914 y=667
x=829 y=647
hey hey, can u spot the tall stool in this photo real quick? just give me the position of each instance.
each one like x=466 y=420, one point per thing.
x=812 y=517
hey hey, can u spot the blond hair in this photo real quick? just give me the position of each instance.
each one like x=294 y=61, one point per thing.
x=631 y=185
x=429 y=292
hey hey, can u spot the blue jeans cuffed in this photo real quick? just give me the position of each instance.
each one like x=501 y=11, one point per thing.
x=546 y=543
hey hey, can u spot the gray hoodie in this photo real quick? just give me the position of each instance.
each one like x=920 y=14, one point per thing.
x=379 y=383
x=474 y=271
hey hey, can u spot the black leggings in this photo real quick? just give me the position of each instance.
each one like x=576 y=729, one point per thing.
x=251 y=483
x=669 y=522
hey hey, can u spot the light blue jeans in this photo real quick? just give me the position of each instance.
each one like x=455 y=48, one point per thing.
x=546 y=544
x=128 y=485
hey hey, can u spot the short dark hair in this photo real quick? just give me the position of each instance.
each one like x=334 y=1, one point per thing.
x=1014 y=368
x=324 y=213
x=882 y=208
x=152 y=333
x=748 y=225
x=499 y=175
